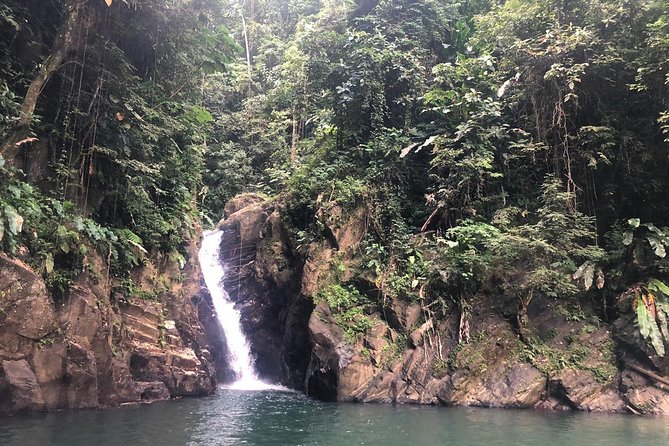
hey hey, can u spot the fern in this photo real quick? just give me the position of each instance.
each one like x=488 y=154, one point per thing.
x=133 y=241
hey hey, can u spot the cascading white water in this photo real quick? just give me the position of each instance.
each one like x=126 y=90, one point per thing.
x=239 y=352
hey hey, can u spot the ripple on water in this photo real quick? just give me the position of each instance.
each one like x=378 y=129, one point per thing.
x=234 y=417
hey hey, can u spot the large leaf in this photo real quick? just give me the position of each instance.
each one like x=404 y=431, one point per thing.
x=649 y=329
x=652 y=228
x=663 y=318
x=48 y=263
x=657 y=342
x=138 y=246
x=203 y=116
x=642 y=319
x=588 y=276
x=628 y=236
x=658 y=286
x=134 y=240
x=581 y=269
x=14 y=220
x=600 y=279
x=78 y=223
x=586 y=272
x=657 y=245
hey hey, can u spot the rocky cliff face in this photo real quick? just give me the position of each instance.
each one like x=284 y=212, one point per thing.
x=405 y=356
x=95 y=347
x=263 y=278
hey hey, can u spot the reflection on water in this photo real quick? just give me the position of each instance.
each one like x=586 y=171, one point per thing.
x=288 y=418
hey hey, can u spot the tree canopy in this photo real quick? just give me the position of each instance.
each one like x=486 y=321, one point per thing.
x=528 y=138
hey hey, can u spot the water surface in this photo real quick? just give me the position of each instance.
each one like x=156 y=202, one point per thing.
x=235 y=417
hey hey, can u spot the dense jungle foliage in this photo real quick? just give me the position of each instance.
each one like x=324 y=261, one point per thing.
x=502 y=148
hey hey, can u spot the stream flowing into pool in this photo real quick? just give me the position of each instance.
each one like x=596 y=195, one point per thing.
x=235 y=417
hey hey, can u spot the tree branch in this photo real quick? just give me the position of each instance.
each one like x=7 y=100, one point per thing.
x=65 y=41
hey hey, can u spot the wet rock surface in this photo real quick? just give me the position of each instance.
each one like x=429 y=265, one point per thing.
x=263 y=278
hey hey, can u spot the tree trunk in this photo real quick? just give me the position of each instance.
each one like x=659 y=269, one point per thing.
x=526 y=330
x=293 y=144
x=65 y=41
x=463 y=330
x=248 y=50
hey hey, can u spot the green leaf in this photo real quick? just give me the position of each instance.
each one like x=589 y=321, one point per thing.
x=588 y=276
x=61 y=231
x=649 y=329
x=657 y=245
x=634 y=222
x=203 y=116
x=177 y=257
x=658 y=285
x=15 y=191
x=657 y=341
x=79 y=223
x=68 y=206
x=14 y=219
x=138 y=246
x=2 y=230
x=627 y=238
x=663 y=318
x=48 y=263
x=642 y=319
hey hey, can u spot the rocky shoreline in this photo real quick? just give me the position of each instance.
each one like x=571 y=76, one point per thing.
x=96 y=349
x=404 y=357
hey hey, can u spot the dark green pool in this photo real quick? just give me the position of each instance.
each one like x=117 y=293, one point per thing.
x=286 y=418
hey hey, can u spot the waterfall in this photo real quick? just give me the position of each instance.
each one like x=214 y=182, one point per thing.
x=239 y=351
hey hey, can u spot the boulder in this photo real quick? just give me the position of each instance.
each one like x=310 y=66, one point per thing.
x=19 y=388
x=240 y=202
x=263 y=278
x=153 y=391
x=329 y=355
x=578 y=389
x=27 y=312
x=644 y=395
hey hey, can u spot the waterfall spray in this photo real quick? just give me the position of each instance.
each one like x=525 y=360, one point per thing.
x=239 y=351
